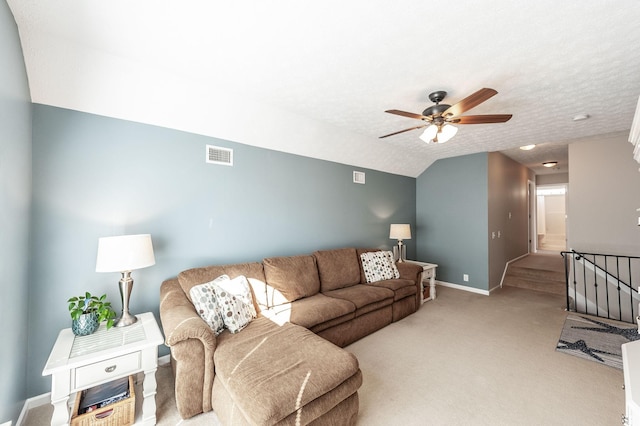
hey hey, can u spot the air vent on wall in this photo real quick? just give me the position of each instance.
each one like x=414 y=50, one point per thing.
x=219 y=155
x=358 y=177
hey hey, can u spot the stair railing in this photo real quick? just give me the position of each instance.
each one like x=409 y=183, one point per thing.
x=602 y=284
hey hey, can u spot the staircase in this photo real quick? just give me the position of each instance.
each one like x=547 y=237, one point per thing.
x=539 y=272
x=603 y=285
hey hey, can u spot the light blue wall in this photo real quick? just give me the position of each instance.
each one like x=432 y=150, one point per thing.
x=15 y=193
x=452 y=219
x=97 y=176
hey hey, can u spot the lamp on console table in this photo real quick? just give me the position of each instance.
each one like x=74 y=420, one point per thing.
x=400 y=231
x=124 y=254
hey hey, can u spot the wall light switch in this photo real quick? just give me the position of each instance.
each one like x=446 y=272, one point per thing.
x=493 y=235
x=498 y=234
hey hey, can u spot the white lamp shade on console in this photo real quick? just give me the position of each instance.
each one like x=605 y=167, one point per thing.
x=400 y=231
x=124 y=254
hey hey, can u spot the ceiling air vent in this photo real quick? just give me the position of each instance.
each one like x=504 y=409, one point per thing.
x=219 y=155
x=358 y=177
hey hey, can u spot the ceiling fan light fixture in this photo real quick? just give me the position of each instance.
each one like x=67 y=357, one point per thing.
x=443 y=133
x=429 y=133
x=447 y=132
x=550 y=163
x=527 y=147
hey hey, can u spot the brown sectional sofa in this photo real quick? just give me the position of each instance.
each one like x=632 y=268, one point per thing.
x=287 y=365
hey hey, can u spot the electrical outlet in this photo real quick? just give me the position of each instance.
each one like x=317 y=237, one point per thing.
x=465 y=277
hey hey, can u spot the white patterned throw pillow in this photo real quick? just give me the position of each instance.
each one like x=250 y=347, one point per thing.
x=206 y=304
x=235 y=302
x=378 y=266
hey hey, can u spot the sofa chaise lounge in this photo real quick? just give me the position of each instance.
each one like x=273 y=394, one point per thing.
x=286 y=366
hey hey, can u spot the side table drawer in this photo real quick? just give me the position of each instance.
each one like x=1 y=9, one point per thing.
x=427 y=274
x=104 y=370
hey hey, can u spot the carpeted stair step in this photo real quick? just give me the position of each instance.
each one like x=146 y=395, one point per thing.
x=536 y=274
x=535 y=279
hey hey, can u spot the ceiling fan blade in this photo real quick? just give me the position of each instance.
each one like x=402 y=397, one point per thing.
x=402 y=131
x=482 y=119
x=407 y=114
x=469 y=102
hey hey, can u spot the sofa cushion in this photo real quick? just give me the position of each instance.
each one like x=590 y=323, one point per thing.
x=206 y=303
x=378 y=266
x=359 y=252
x=338 y=268
x=267 y=386
x=235 y=302
x=191 y=277
x=293 y=277
x=401 y=288
x=366 y=297
x=316 y=313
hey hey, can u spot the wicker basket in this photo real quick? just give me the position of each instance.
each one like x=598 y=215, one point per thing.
x=121 y=413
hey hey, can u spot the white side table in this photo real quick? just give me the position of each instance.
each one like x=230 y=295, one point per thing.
x=78 y=363
x=631 y=371
x=428 y=273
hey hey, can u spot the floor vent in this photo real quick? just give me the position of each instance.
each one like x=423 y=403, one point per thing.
x=358 y=177
x=219 y=155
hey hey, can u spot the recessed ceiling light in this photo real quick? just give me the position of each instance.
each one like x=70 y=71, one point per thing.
x=581 y=117
x=527 y=147
x=550 y=164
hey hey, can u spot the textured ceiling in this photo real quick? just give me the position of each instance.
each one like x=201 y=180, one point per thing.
x=315 y=78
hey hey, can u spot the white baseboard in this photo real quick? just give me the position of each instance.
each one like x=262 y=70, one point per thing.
x=506 y=266
x=45 y=398
x=463 y=287
x=164 y=360
x=33 y=402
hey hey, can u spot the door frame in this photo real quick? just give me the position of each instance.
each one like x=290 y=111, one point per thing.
x=531 y=206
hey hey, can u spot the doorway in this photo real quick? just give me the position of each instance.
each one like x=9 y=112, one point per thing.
x=551 y=217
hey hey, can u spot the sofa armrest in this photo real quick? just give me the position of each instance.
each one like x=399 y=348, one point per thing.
x=192 y=343
x=413 y=272
x=410 y=271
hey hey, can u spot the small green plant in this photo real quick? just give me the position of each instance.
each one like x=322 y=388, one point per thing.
x=88 y=303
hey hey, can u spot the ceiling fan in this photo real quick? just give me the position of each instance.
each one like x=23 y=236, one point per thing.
x=439 y=117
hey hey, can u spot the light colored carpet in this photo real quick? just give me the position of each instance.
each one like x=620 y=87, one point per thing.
x=543 y=261
x=467 y=359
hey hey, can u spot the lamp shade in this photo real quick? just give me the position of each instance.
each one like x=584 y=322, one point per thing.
x=400 y=231
x=447 y=132
x=443 y=133
x=124 y=253
x=429 y=133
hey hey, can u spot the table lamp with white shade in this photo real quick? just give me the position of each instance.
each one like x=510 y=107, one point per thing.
x=400 y=231
x=124 y=254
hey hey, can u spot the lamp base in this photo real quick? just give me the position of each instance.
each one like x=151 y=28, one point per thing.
x=400 y=252
x=126 y=285
x=125 y=320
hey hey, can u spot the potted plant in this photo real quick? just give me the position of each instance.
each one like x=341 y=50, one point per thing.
x=88 y=311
